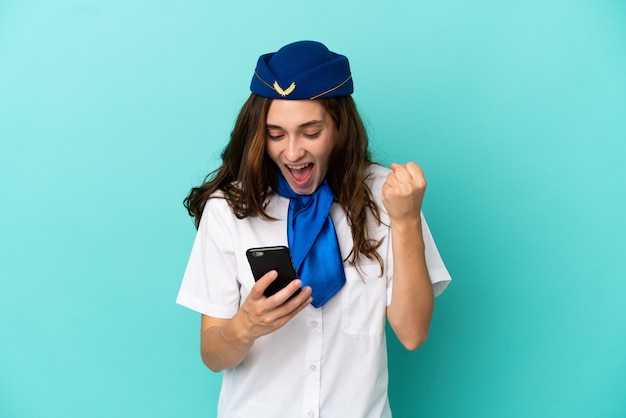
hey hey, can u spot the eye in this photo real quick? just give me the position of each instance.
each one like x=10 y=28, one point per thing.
x=274 y=137
x=313 y=135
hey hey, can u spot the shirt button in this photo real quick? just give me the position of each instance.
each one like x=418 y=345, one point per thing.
x=314 y=324
x=311 y=414
x=313 y=367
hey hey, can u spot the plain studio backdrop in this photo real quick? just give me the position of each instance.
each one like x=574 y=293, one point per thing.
x=110 y=111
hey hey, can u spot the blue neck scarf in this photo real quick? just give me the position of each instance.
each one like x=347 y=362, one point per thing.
x=313 y=241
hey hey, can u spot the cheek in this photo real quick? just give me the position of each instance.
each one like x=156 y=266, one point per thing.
x=326 y=152
x=271 y=150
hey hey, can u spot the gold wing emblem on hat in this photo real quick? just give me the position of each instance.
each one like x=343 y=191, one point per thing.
x=285 y=92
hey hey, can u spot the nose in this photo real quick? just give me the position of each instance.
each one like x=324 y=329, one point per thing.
x=293 y=150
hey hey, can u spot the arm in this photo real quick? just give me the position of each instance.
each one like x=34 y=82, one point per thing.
x=224 y=343
x=412 y=300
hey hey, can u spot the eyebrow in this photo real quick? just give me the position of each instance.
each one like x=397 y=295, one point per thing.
x=304 y=125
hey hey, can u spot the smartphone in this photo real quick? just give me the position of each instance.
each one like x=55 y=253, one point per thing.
x=264 y=259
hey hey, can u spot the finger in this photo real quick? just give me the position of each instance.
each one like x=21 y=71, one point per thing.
x=304 y=297
x=292 y=307
x=299 y=307
x=408 y=170
x=259 y=287
x=399 y=174
x=278 y=315
x=285 y=293
x=415 y=171
x=407 y=173
x=392 y=179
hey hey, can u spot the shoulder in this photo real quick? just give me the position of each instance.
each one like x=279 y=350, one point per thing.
x=219 y=208
x=216 y=208
x=375 y=176
x=374 y=171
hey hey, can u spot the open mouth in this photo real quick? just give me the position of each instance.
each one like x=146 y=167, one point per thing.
x=300 y=174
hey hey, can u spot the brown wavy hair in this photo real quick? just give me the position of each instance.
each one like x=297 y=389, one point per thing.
x=247 y=176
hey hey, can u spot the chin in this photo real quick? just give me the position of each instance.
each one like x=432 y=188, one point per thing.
x=308 y=189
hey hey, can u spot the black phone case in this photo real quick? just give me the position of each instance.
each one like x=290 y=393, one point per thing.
x=264 y=259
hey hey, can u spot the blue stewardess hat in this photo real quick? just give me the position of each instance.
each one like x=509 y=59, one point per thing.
x=300 y=71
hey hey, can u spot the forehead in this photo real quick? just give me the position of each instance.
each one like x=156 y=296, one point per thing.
x=290 y=113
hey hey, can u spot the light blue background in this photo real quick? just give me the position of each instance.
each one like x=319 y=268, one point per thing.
x=111 y=110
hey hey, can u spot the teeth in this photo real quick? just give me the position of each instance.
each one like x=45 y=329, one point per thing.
x=298 y=167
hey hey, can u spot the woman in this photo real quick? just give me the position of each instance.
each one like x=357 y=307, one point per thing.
x=297 y=172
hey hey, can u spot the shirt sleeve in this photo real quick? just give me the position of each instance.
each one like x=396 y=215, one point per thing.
x=210 y=285
x=439 y=275
x=437 y=271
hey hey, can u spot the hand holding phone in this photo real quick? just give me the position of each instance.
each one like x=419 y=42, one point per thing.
x=265 y=259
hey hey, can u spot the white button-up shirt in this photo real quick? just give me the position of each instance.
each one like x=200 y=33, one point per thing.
x=326 y=362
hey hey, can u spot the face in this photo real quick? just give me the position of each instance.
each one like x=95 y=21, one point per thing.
x=300 y=138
